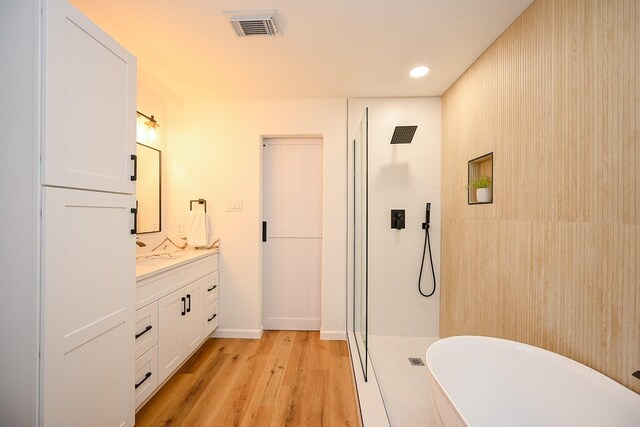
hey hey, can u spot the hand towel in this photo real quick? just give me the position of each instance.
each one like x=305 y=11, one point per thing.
x=197 y=228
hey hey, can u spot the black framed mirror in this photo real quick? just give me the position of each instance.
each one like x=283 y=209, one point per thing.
x=148 y=188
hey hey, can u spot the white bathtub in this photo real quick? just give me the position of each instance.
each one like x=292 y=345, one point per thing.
x=483 y=381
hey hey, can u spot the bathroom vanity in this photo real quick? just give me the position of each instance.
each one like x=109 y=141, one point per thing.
x=176 y=311
x=84 y=332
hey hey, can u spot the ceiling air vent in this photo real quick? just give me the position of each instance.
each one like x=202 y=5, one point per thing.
x=253 y=23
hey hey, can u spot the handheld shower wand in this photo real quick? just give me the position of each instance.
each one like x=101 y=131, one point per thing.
x=427 y=216
x=427 y=242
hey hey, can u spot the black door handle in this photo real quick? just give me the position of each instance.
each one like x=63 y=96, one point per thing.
x=184 y=306
x=211 y=318
x=212 y=288
x=189 y=300
x=264 y=231
x=147 y=329
x=134 y=211
x=146 y=377
x=134 y=177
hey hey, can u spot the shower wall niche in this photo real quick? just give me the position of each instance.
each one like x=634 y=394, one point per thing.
x=480 y=179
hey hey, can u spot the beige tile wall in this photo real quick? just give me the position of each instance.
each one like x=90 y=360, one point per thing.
x=555 y=260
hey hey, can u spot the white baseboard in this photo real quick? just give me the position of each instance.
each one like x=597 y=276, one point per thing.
x=257 y=334
x=333 y=335
x=237 y=333
x=291 y=324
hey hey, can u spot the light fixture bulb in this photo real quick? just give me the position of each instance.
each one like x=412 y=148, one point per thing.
x=146 y=130
x=420 y=71
x=141 y=131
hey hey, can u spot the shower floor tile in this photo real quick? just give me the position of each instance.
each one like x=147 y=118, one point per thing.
x=405 y=388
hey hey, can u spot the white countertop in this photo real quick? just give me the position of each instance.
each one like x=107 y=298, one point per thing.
x=150 y=264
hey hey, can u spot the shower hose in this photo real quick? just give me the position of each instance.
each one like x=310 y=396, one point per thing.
x=427 y=242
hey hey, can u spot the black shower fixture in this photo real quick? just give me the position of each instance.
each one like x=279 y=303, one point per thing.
x=427 y=244
x=403 y=134
x=397 y=219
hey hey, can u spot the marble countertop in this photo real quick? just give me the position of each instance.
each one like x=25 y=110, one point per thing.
x=150 y=264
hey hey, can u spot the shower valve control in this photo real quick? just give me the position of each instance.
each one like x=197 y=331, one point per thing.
x=397 y=219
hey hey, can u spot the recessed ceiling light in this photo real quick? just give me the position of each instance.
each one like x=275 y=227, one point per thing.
x=420 y=71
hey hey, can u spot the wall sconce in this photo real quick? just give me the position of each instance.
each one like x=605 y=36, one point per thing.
x=148 y=132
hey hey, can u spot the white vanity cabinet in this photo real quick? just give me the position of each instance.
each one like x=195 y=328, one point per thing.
x=146 y=336
x=146 y=375
x=180 y=316
x=180 y=294
x=211 y=290
x=88 y=224
x=146 y=330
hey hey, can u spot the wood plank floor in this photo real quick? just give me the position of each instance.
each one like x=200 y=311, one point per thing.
x=287 y=378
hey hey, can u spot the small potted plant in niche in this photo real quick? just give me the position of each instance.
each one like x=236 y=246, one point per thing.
x=483 y=188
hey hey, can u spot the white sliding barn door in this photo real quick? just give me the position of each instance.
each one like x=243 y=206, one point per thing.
x=292 y=253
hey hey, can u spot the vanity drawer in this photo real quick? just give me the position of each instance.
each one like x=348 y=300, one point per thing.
x=146 y=328
x=146 y=376
x=211 y=287
x=210 y=318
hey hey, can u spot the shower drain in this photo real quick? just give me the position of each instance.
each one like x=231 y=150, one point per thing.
x=416 y=361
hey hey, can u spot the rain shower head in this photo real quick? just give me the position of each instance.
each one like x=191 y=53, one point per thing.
x=403 y=134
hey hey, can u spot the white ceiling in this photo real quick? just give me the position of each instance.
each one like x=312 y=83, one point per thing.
x=326 y=49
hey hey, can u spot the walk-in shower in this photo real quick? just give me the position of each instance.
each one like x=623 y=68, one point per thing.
x=394 y=247
x=360 y=242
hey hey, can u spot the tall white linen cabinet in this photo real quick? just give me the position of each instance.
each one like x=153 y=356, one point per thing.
x=84 y=100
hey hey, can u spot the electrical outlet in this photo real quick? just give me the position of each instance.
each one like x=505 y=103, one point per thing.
x=180 y=229
x=234 y=206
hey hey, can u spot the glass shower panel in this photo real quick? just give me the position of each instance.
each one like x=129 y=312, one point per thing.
x=360 y=239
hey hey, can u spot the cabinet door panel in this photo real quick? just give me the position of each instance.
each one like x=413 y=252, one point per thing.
x=92 y=263
x=170 y=310
x=94 y=380
x=90 y=85
x=88 y=287
x=192 y=322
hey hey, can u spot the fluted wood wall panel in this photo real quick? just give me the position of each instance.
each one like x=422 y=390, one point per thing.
x=555 y=260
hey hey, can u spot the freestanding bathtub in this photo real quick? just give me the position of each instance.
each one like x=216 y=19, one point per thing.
x=483 y=381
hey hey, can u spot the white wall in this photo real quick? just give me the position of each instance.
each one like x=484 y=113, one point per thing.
x=19 y=210
x=215 y=152
x=402 y=176
x=149 y=102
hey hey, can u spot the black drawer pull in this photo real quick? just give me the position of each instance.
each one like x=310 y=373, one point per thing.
x=184 y=306
x=212 y=288
x=147 y=329
x=212 y=317
x=146 y=377
x=189 y=300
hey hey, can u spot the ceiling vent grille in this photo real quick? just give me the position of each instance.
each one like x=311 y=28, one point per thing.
x=253 y=23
